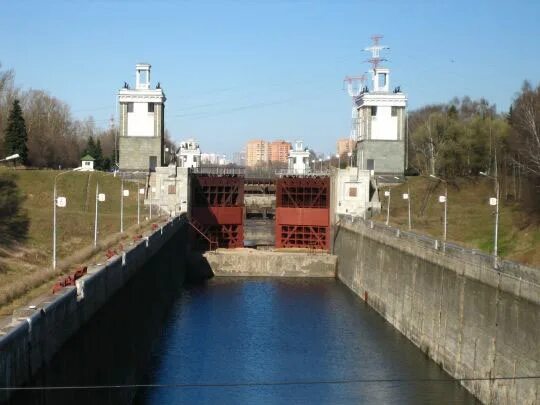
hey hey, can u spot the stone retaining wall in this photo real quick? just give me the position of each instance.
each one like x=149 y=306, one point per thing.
x=34 y=334
x=480 y=324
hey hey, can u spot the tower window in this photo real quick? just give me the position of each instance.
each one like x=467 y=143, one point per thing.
x=394 y=111
x=374 y=111
x=129 y=107
x=381 y=80
x=150 y=107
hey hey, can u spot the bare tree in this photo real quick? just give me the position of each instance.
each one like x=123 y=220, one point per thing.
x=525 y=121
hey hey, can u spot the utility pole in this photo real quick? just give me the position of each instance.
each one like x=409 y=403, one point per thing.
x=54 y=226
x=443 y=199
x=122 y=205
x=407 y=197
x=139 y=189
x=495 y=202
x=387 y=194
x=96 y=215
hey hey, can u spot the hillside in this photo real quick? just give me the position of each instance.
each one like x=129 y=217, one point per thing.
x=470 y=217
x=27 y=264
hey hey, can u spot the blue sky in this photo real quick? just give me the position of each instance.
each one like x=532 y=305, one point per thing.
x=237 y=70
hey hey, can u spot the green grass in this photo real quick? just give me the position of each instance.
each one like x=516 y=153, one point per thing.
x=470 y=217
x=75 y=223
x=26 y=266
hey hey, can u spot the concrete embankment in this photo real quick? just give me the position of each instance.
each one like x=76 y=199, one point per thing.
x=480 y=324
x=263 y=263
x=35 y=333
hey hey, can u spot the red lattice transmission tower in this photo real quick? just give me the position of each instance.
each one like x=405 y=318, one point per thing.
x=354 y=84
x=375 y=50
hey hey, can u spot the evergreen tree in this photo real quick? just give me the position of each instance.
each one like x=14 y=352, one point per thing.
x=90 y=147
x=98 y=156
x=14 y=221
x=16 y=135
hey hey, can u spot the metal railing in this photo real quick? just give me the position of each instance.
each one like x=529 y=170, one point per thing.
x=306 y=173
x=220 y=170
x=213 y=245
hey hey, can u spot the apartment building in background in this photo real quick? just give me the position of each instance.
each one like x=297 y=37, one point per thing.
x=261 y=152
x=279 y=151
x=257 y=152
x=344 y=146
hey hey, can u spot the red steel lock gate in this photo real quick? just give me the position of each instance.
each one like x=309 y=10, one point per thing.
x=303 y=212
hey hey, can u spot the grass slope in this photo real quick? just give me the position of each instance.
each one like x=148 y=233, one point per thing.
x=470 y=217
x=27 y=265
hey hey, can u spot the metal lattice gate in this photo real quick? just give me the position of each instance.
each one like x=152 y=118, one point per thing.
x=217 y=210
x=303 y=212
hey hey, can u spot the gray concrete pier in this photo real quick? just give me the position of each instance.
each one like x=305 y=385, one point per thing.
x=271 y=263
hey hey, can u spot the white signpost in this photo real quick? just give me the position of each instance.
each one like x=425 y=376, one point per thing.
x=61 y=202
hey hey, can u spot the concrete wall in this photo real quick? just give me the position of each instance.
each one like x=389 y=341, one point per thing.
x=134 y=152
x=34 y=334
x=350 y=192
x=474 y=321
x=251 y=262
x=389 y=156
x=169 y=189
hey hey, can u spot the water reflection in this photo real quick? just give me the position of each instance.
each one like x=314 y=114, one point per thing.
x=286 y=330
x=234 y=330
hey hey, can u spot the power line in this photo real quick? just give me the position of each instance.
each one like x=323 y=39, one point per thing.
x=271 y=383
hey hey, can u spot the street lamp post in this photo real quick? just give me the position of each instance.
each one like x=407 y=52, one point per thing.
x=61 y=202
x=320 y=161
x=152 y=191
x=349 y=154
x=124 y=193
x=407 y=196
x=96 y=214
x=99 y=198
x=339 y=160
x=10 y=157
x=495 y=202
x=139 y=192
x=122 y=205
x=443 y=199
x=387 y=194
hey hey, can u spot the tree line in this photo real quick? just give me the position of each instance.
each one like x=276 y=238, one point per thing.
x=465 y=137
x=52 y=137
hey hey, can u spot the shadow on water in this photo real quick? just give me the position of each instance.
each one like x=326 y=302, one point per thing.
x=115 y=345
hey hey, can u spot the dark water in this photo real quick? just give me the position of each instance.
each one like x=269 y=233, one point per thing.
x=250 y=341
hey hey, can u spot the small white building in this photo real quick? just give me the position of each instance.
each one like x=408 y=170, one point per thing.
x=87 y=163
x=189 y=154
x=354 y=192
x=298 y=159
